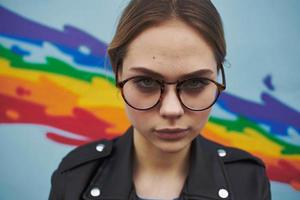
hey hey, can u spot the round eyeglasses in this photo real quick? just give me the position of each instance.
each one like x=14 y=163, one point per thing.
x=196 y=94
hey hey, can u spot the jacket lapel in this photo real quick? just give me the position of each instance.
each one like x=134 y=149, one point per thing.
x=206 y=176
x=115 y=176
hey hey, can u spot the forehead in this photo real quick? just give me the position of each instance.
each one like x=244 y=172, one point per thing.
x=172 y=49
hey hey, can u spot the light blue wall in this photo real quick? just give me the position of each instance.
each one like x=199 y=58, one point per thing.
x=262 y=39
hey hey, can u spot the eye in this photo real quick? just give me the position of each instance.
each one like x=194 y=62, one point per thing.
x=146 y=83
x=195 y=84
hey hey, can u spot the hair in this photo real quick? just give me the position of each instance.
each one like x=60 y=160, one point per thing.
x=142 y=14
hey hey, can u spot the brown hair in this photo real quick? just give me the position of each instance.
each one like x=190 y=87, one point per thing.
x=141 y=14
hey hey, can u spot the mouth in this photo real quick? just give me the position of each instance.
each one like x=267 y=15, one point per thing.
x=171 y=133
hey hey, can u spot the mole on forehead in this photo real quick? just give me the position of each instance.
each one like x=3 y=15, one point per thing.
x=156 y=57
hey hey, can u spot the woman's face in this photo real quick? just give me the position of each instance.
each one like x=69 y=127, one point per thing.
x=171 y=49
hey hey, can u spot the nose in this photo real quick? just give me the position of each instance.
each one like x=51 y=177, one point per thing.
x=170 y=106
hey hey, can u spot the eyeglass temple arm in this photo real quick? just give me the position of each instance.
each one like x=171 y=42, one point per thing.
x=116 y=76
x=223 y=77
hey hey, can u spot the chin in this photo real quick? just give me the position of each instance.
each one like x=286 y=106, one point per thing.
x=172 y=146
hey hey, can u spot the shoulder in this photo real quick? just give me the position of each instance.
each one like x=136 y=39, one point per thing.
x=232 y=155
x=246 y=173
x=77 y=167
x=85 y=154
x=94 y=152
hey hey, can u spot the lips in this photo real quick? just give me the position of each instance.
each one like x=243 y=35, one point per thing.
x=171 y=133
x=171 y=130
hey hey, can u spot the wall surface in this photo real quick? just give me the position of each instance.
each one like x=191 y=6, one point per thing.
x=57 y=92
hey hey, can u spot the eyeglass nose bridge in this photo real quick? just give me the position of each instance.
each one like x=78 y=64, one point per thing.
x=163 y=83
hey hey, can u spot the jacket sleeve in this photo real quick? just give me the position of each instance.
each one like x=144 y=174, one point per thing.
x=266 y=189
x=57 y=186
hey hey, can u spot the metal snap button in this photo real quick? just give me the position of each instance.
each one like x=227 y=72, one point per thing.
x=95 y=192
x=221 y=152
x=223 y=193
x=100 y=147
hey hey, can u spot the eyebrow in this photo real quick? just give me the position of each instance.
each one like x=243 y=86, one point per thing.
x=146 y=71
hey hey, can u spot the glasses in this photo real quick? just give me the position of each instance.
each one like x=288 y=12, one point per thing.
x=196 y=94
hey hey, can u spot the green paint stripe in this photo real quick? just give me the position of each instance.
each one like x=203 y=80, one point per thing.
x=52 y=65
x=241 y=123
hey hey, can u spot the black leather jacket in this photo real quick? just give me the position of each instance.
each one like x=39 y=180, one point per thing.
x=103 y=170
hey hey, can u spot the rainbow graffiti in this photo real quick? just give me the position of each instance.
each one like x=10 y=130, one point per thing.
x=62 y=79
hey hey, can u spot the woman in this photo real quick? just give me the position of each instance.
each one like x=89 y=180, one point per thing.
x=166 y=55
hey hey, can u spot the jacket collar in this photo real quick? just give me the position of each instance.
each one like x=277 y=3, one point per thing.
x=114 y=178
x=207 y=174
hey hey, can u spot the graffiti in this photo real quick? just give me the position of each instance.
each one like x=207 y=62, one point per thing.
x=62 y=79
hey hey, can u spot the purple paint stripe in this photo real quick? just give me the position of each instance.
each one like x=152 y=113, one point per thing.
x=17 y=26
x=268 y=82
x=271 y=110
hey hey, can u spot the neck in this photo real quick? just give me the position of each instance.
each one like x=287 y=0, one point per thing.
x=150 y=159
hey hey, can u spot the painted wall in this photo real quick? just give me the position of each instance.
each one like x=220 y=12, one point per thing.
x=57 y=92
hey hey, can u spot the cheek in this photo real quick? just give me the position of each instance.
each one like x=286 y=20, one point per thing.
x=137 y=118
x=130 y=114
x=200 y=118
